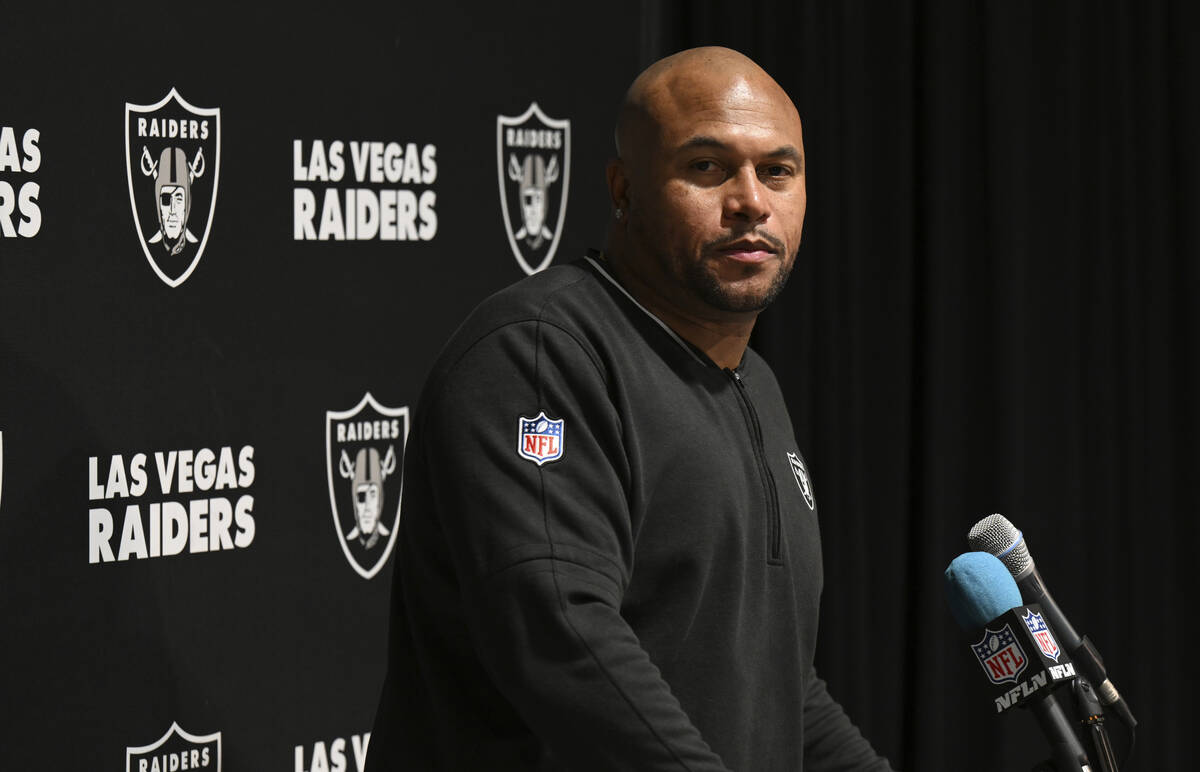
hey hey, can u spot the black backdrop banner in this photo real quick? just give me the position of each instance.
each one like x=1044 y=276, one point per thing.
x=993 y=311
x=233 y=240
x=252 y=231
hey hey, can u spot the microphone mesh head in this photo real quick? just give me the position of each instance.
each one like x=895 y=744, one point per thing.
x=996 y=535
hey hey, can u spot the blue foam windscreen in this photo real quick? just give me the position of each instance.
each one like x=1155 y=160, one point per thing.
x=979 y=589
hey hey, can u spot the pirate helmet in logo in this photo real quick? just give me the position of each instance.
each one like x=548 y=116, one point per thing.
x=173 y=187
x=367 y=475
x=533 y=176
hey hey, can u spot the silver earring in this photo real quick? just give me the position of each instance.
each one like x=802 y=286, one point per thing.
x=618 y=214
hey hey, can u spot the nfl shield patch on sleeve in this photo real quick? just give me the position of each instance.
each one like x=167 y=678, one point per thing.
x=540 y=438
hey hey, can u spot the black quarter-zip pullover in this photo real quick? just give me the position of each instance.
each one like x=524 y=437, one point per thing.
x=642 y=595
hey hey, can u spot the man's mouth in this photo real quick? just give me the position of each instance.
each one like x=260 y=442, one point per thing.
x=748 y=250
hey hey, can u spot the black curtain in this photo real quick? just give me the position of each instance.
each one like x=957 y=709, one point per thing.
x=992 y=312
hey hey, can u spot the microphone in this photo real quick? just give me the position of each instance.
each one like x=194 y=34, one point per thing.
x=996 y=535
x=979 y=589
x=982 y=594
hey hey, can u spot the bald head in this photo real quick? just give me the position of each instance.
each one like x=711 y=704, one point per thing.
x=681 y=84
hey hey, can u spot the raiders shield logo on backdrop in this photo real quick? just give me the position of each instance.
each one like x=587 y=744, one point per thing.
x=176 y=750
x=364 y=453
x=533 y=153
x=173 y=161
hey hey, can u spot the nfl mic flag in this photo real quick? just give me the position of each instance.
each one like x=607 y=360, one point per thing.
x=1021 y=657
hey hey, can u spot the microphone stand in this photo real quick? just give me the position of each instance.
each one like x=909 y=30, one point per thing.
x=1092 y=719
x=1067 y=754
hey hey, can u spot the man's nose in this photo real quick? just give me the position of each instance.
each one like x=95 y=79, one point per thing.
x=745 y=197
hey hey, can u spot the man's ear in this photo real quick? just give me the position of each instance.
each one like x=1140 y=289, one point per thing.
x=618 y=184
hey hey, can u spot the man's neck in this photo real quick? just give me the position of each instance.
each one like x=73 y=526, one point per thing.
x=722 y=336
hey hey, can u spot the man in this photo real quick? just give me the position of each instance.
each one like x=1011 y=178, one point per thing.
x=609 y=555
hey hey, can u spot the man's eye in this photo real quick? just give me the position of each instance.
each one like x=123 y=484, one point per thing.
x=777 y=170
x=704 y=166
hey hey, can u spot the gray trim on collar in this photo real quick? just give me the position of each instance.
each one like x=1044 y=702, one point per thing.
x=645 y=310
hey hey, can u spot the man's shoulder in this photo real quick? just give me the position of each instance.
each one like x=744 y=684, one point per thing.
x=557 y=289
x=569 y=296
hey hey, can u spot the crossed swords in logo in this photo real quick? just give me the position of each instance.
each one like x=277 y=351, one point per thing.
x=195 y=169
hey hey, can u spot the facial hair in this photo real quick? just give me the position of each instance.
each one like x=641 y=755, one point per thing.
x=700 y=279
x=708 y=286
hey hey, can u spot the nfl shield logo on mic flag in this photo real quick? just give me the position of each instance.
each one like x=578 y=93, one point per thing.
x=1000 y=655
x=1041 y=633
x=540 y=438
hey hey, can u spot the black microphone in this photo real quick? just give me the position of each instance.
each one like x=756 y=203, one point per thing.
x=983 y=595
x=996 y=535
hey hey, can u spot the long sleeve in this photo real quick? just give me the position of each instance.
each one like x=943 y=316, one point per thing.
x=543 y=552
x=832 y=742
